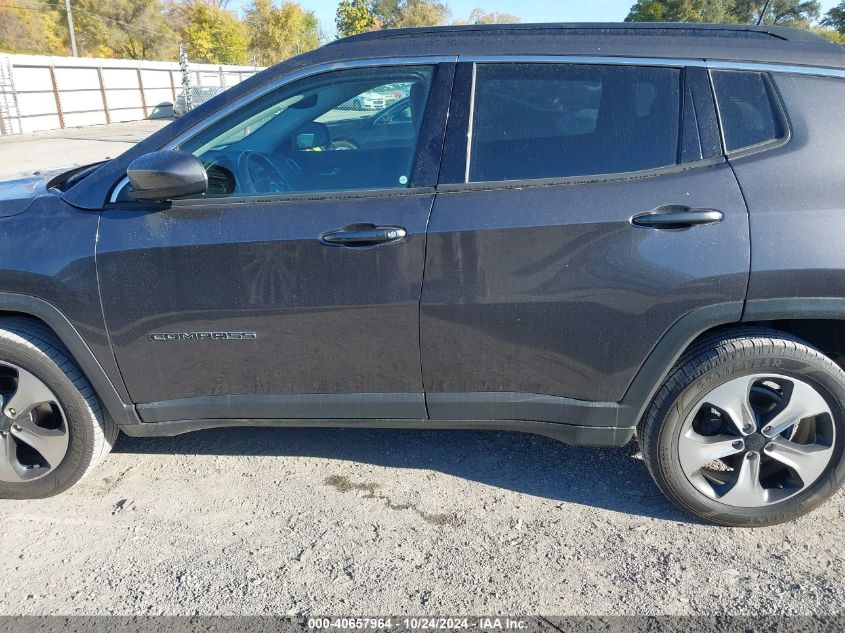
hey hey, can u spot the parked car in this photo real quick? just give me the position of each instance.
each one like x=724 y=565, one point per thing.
x=374 y=130
x=645 y=239
x=367 y=101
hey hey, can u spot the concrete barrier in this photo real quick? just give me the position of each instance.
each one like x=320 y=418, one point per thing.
x=47 y=93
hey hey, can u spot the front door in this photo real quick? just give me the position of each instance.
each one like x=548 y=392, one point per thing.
x=291 y=288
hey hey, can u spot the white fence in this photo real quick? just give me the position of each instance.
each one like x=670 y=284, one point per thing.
x=48 y=93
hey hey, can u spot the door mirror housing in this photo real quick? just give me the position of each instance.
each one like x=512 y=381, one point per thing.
x=166 y=174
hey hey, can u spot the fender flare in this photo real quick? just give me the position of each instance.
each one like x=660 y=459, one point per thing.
x=685 y=330
x=123 y=414
x=666 y=353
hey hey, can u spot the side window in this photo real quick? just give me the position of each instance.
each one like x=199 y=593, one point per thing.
x=559 y=120
x=322 y=133
x=748 y=109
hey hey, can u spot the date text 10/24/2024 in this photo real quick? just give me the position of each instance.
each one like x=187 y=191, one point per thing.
x=419 y=623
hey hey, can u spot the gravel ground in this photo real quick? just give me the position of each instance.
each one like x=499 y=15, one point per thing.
x=45 y=151
x=355 y=522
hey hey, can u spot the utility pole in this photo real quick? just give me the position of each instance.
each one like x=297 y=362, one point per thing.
x=763 y=12
x=70 y=29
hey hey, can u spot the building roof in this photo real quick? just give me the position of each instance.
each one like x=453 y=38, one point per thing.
x=733 y=42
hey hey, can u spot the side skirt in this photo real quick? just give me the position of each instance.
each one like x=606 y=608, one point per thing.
x=567 y=433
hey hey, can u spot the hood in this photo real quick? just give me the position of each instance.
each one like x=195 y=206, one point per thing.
x=17 y=195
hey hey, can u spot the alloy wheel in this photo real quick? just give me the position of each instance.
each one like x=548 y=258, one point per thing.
x=34 y=436
x=757 y=440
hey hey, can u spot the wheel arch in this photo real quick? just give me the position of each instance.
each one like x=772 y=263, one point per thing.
x=40 y=311
x=819 y=320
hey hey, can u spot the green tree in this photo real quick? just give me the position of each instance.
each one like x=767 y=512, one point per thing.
x=786 y=12
x=354 y=16
x=422 y=13
x=390 y=14
x=212 y=33
x=276 y=33
x=835 y=18
x=32 y=32
x=129 y=29
x=681 y=11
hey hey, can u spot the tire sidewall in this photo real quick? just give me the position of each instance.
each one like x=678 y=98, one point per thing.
x=679 y=488
x=76 y=411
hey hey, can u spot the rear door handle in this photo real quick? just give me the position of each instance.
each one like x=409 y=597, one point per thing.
x=677 y=217
x=364 y=235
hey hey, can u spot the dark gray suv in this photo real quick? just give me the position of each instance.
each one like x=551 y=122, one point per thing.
x=582 y=231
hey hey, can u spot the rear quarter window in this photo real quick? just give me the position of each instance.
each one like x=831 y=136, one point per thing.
x=749 y=109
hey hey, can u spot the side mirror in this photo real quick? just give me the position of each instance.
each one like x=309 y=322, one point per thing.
x=166 y=174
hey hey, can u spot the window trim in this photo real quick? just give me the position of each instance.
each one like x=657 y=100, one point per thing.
x=494 y=185
x=778 y=106
x=303 y=196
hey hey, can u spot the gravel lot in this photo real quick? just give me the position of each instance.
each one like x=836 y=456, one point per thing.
x=354 y=522
x=346 y=522
x=23 y=155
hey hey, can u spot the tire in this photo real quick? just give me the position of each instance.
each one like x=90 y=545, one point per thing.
x=27 y=345
x=683 y=408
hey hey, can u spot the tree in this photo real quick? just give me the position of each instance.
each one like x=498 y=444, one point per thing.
x=276 y=33
x=386 y=12
x=422 y=13
x=791 y=13
x=130 y=29
x=787 y=12
x=835 y=18
x=354 y=16
x=33 y=32
x=212 y=33
x=392 y=14
x=480 y=16
x=681 y=11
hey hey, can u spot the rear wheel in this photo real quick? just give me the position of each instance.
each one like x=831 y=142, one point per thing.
x=748 y=429
x=52 y=430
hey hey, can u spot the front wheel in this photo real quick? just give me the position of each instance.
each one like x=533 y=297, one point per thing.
x=52 y=430
x=748 y=429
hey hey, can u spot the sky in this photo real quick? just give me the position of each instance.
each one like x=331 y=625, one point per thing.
x=528 y=10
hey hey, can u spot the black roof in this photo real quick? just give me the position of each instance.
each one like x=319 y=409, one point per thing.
x=726 y=42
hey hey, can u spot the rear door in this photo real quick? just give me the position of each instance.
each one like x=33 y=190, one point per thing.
x=584 y=208
x=291 y=289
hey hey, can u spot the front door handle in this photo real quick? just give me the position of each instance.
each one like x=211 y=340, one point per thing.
x=677 y=217
x=364 y=235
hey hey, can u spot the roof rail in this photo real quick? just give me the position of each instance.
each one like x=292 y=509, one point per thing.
x=604 y=28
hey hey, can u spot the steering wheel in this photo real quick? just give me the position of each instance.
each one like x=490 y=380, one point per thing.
x=259 y=175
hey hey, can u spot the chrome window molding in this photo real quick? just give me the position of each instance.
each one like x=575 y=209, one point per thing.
x=820 y=71
x=817 y=71
x=580 y=59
